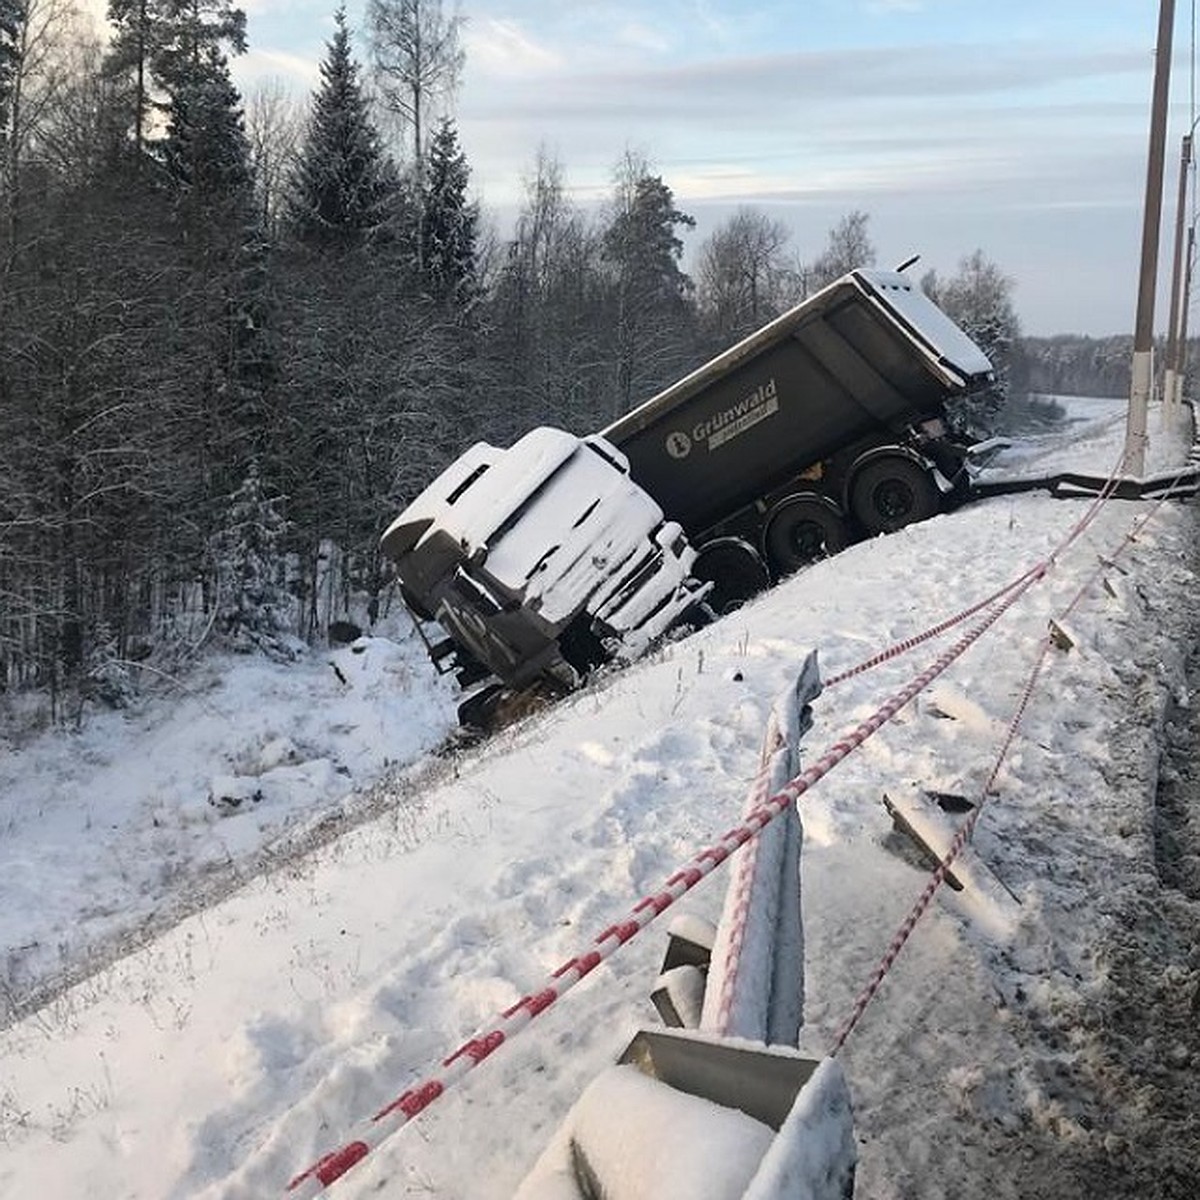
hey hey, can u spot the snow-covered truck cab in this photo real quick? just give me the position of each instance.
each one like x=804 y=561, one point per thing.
x=540 y=561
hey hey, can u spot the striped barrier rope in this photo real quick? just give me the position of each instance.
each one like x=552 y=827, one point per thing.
x=967 y=829
x=901 y=648
x=742 y=884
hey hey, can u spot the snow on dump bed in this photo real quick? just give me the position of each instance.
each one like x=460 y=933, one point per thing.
x=953 y=351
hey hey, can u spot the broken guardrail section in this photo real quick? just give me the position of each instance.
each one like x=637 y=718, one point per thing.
x=719 y=1102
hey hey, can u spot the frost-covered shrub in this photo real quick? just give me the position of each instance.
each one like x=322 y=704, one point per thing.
x=255 y=608
x=108 y=677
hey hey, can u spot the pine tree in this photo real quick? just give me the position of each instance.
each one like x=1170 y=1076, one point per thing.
x=450 y=227
x=205 y=150
x=108 y=676
x=189 y=32
x=128 y=58
x=255 y=608
x=653 y=319
x=642 y=241
x=340 y=188
x=159 y=46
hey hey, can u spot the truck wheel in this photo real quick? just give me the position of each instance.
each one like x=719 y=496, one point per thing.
x=890 y=493
x=735 y=570
x=801 y=530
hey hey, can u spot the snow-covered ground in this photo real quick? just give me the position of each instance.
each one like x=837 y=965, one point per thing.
x=270 y=999
x=142 y=816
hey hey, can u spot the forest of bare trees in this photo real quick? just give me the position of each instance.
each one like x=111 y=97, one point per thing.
x=238 y=334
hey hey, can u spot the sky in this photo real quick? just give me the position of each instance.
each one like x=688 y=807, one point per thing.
x=301 y=933
x=1019 y=128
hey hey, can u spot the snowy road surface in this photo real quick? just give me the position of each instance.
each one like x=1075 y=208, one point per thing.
x=1047 y=1055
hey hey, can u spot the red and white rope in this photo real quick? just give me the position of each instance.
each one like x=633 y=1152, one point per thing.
x=967 y=829
x=900 y=648
x=741 y=886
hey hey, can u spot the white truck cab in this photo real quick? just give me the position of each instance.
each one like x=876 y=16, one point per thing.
x=541 y=560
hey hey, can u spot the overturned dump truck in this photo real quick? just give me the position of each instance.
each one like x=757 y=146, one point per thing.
x=828 y=424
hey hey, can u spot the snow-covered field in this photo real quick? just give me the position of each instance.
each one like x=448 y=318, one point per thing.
x=271 y=999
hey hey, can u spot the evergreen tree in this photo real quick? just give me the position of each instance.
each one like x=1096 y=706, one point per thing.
x=450 y=227
x=255 y=608
x=108 y=676
x=653 y=319
x=190 y=33
x=135 y=28
x=643 y=244
x=160 y=46
x=340 y=187
x=205 y=150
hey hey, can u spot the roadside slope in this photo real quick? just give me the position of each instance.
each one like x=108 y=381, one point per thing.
x=251 y=1038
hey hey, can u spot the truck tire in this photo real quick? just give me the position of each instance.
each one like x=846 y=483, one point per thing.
x=800 y=530
x=889 y=493
x=734 y=568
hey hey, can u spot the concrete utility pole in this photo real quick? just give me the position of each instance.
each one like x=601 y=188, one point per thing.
x=1171 y=374
x=1181 y=350
x=1143 y=334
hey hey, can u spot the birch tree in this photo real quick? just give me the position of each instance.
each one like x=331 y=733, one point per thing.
x=743 y=279
x=848 y=246
x=418 y=56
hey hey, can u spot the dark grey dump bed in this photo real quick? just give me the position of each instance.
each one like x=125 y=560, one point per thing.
x=869 y=352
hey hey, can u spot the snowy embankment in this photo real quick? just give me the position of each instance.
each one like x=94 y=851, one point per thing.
x=999 y=1057
x=119 y=829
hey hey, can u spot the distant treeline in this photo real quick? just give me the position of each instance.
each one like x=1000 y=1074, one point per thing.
x=1073 y=365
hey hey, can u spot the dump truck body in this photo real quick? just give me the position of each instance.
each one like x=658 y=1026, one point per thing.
x=858 y=366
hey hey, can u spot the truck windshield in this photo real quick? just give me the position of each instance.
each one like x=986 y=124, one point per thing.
x=466 y=483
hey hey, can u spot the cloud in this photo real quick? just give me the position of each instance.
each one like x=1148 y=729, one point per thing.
x=256 y=65
x=760 y=86
x=501 y=49
x=639 y=36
